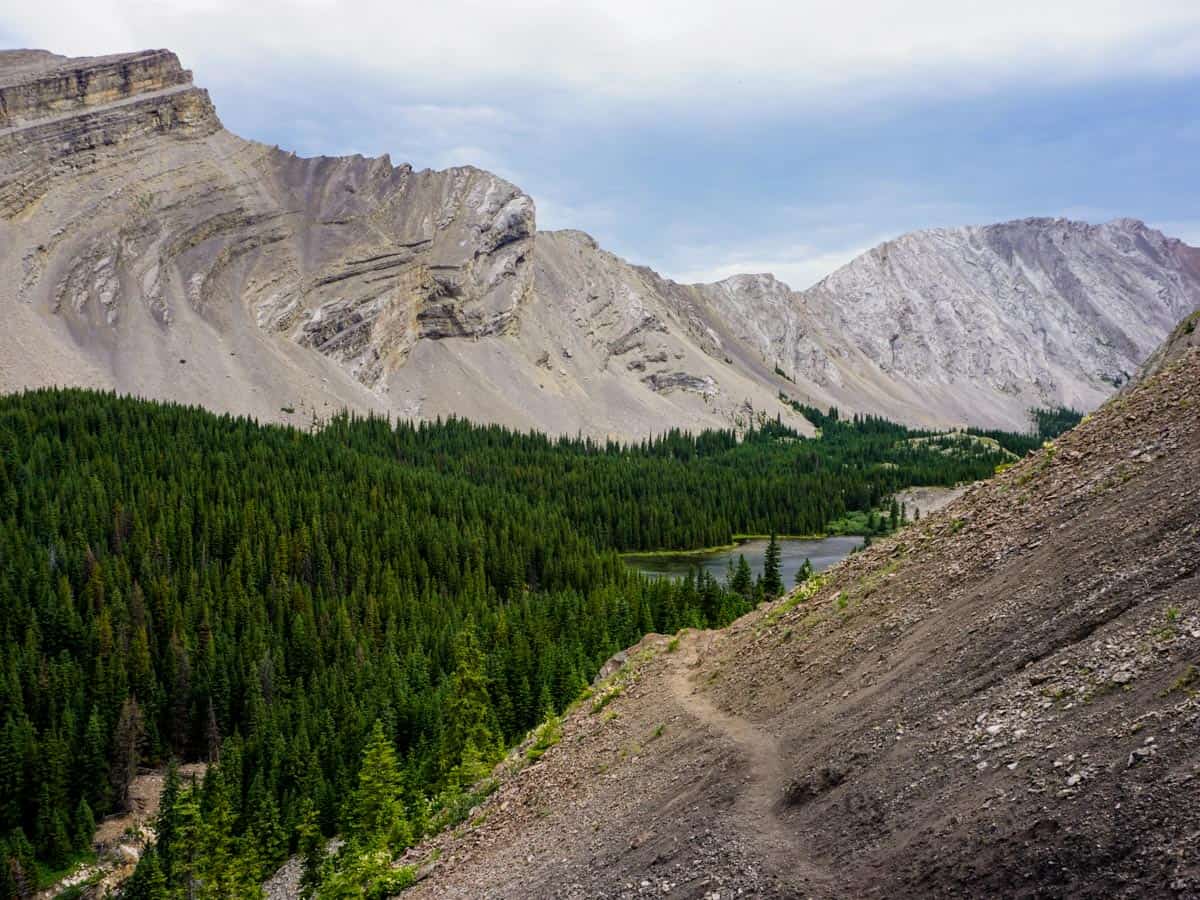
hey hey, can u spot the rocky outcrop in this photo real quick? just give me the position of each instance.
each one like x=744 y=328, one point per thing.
x=1184 y=338
x=130 y=215
x=147 y=249
x=59 y=115
x=1031 y=312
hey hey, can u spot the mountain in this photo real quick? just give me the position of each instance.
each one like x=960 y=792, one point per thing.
x=971 y=324
x=146 y=249
x=1000 y=700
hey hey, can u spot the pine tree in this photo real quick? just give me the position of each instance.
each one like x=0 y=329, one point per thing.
x=472 y=734
x=805 y=572
x=376 y=812
x=743 y=581
x=310 y=844
x=127 y=745
x=94 y=764
x=772 y=574
x=166 y=824
x=83 y=826
x=147 y=881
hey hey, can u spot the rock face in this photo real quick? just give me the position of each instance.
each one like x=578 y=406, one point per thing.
x=133 y=221
x=146 y=249
x=977 y=324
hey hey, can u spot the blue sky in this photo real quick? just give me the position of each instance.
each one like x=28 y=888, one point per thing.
x=704 y=138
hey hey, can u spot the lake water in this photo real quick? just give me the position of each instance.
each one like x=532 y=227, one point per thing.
x=823 y=553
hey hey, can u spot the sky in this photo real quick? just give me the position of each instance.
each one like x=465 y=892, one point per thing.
x=708 y=138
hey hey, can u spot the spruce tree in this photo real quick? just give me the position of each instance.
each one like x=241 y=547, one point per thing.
x=147 y=881
x=805 y=572
x=772 y=573
x=310 y=844
x=83 y=826
x=127 y=745
x=471 y=733
x=376 y=809
x=743 y=581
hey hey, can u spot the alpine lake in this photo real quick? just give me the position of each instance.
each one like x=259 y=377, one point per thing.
x=821 y=552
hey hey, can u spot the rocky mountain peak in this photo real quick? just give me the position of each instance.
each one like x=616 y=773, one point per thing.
x=139 y=211
x=1043 y=311
x=148 y=250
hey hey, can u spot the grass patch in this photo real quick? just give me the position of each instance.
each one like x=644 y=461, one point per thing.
x=1185 y=682
x=47 y=876
x=607 y=697
x=454 y=808
x=804 y=592
x=546 y=736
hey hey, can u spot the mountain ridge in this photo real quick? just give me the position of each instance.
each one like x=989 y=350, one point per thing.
x=150 y=251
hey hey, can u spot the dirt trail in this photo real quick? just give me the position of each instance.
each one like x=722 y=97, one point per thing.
x=756 y=812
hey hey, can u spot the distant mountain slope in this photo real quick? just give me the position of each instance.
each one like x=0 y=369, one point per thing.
x=144 y=248
x=977 y=323
x=1001 y=700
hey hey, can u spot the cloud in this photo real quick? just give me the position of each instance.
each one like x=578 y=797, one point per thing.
x=697 y=54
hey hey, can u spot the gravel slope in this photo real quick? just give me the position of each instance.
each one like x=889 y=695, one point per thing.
x=1001 y=700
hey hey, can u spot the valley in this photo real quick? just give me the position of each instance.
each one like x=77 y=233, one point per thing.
x=276 y=603
x=997 y=700
x=361 y=538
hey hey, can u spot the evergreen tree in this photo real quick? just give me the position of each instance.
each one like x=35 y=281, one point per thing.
x=310 y=844
x=772 y=582
x=127 y=744
x=376 y=811
x=167 y=823
x=147 y=881
x=471 y=736
x=742 y=583
x=83 y=827
x=805 y=572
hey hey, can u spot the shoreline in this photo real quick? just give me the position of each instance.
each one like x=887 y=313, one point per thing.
x=738 y=540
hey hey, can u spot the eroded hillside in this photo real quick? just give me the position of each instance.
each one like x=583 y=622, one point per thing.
x=147 y=249
x=1001 y=700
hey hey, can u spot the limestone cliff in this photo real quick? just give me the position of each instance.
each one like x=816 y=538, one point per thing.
x=977 y=324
